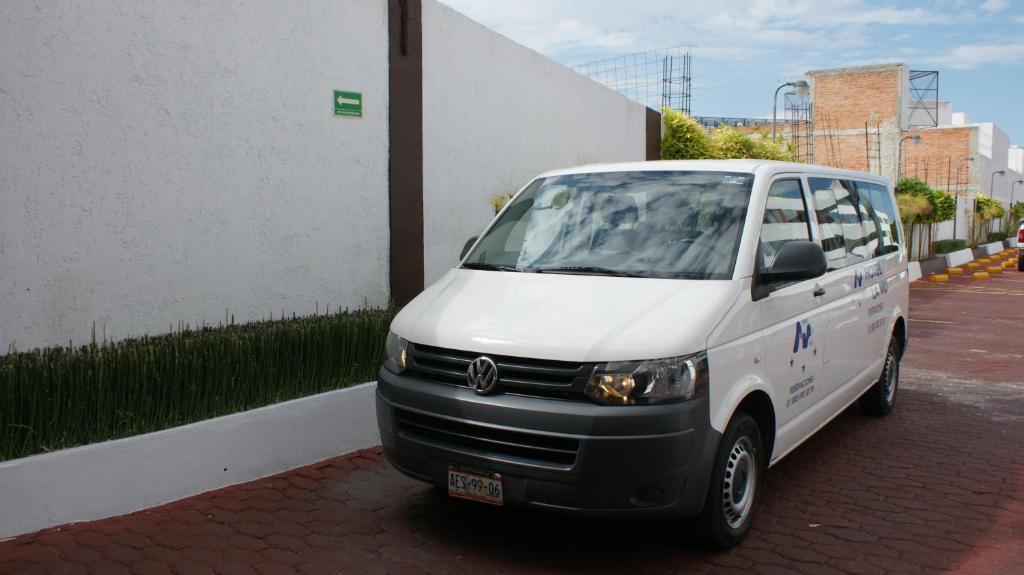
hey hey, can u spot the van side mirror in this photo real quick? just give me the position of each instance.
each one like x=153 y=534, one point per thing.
x=465 y=248
x=797 y=260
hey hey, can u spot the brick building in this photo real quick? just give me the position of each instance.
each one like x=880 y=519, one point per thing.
x=862 y=120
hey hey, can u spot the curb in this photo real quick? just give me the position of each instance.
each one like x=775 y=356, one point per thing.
x=125 y=475
x=914 y=270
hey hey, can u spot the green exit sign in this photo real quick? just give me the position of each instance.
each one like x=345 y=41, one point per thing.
x=348 y=103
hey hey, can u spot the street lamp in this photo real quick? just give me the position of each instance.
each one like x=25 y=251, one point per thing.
x=991 y=191
x=916 y=138
x=801 y=89
x=959 y=188
x=1012 y=185
x=992 y=181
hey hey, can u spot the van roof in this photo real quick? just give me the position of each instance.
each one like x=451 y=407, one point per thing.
x=759 y=167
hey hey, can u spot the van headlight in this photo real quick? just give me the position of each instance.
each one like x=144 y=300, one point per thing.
x=394 y=353
x=649 y=382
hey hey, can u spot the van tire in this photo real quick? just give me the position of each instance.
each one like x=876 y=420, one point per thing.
x=1020 y=262
x=880 y=399
x=740 y=451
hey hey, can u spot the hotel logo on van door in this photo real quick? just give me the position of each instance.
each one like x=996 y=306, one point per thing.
x=801 y=341
x=870 y=272
x=482 y=375
x=803 y=336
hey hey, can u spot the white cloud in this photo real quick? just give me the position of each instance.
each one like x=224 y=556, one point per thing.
x=995 y=5
x=969 y=56
x=730 y=29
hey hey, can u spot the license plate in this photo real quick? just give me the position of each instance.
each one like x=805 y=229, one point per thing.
x=475 y=484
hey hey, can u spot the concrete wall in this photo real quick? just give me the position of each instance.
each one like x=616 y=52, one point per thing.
x=165 y=161
x=1015 y=158
x=928 y=113
x=495 y=114
x=125 y=475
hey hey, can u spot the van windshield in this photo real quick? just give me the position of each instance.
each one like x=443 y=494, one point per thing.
x=669 y=224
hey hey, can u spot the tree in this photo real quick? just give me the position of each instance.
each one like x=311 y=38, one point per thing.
x=1013 y=222
x=686 y=139
x=1017 y=213
x=921 y=207
x=986 y=209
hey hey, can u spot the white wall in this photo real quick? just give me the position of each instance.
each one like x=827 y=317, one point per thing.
x=165 y=161
x=495 y=114
x=960 y=119
x=925 y=112
x=1015 y=158
x=125 y=475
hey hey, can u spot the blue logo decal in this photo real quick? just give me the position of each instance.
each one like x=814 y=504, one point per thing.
x=803 y=337
x=858 y=279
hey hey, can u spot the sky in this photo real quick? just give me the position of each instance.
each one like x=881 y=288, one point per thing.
x=743 y=49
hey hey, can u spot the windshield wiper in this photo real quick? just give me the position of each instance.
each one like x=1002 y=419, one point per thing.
x=589 y=270
x=490 y=267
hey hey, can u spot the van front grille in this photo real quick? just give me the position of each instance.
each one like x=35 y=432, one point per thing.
x=487 y=441
x=533 y=377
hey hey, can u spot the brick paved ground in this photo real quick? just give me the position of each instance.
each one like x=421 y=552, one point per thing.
x=936 y=487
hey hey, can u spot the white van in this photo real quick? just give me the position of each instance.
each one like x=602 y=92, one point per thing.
x=646 y=339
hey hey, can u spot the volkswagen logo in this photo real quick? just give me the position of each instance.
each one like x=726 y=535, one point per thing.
x=482 y=375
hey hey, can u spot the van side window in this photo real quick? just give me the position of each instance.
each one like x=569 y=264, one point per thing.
x=876 y=202
x=842 y=236
x=785 y=218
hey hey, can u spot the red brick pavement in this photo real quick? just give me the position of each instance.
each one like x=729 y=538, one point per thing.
x=938 y=486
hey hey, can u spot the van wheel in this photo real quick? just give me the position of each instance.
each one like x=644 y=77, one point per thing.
x=880 y=399
x=735 y=489
x=1020 y=262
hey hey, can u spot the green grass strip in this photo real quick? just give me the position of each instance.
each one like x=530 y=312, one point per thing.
x=61 y=397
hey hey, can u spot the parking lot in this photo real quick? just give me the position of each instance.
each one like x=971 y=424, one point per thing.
x=938 y=486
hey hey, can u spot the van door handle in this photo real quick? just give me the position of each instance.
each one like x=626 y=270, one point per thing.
x=819 y=292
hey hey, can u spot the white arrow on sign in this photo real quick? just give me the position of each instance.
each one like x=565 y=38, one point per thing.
x=342 y=101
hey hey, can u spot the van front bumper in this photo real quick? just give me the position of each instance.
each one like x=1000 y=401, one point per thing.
x=569 y=456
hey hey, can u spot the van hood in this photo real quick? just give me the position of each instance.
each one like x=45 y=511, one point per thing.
x=566 y=317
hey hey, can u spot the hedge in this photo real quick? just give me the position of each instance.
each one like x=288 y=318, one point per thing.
x=62 y=396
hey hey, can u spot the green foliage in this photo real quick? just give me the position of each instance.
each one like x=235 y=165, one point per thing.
x=949 y=246
x=988 y=208
x=727 y=143
x=921 y=204
x=920 y=208
x=912 y=186
x=943 y=206
x=61 y=397
x=996 y=236
x=686 y=139
x=912 y=207
x=1017 y=213
x=766 y=149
